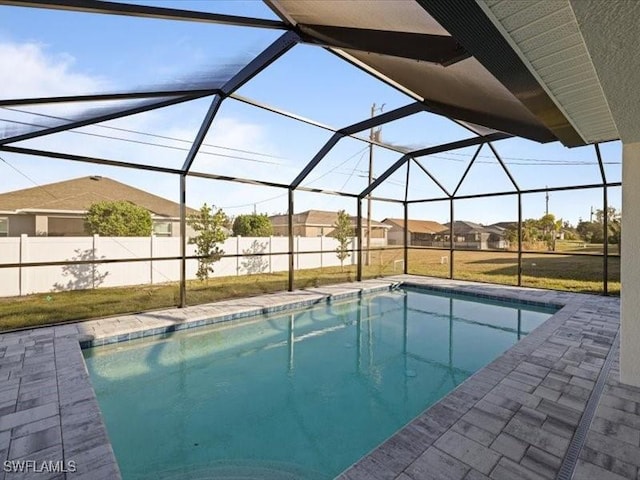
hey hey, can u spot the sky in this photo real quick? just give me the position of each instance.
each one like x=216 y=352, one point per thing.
x=48 y=53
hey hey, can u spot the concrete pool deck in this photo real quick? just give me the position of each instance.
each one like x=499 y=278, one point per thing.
x=519 y=417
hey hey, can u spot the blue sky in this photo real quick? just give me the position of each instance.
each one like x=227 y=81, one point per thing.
x=57 y=53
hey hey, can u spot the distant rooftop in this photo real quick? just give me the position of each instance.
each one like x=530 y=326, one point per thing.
x=79 y=194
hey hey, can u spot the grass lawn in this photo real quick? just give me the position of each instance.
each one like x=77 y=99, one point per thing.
x=570 y=272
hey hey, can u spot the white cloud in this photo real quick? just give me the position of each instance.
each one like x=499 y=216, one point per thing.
x=28 y=70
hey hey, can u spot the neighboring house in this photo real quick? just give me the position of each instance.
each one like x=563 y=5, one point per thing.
x=58 y=209
x=478 y=237
x=423 y=233
x=320 y=223
x=505 y=225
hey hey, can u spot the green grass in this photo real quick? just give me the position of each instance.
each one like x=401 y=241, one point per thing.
x=560 y=272
x=575 y=273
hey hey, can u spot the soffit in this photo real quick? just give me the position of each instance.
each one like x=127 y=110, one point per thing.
x=546 y=36
x=611 y=31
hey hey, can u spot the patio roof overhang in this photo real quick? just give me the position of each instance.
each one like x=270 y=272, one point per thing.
x=524 y=68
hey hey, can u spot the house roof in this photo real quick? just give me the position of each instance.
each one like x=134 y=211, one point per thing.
x=318 y=218
x=505 y=225
x=78 y=194
x=416 y=226
x=463 y=227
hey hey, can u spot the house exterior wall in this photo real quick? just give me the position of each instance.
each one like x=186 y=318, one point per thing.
x=630 y=267
x=395 y=236
x=298 y=230
x=63 y=226
x=42 y=225
x=21 y=224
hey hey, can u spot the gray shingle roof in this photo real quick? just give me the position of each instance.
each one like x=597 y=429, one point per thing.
x=80 y=193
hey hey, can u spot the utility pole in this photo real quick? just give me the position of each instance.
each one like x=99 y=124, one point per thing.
x=374 y=135
x=546 y=211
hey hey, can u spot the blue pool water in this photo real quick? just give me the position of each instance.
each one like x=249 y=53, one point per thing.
x=293 y=396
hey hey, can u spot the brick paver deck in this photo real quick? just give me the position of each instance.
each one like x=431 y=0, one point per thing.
x=515 y=418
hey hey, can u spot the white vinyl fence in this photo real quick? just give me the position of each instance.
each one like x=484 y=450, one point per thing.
x=26 y=280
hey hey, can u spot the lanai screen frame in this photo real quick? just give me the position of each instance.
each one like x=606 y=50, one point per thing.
x=272 y=53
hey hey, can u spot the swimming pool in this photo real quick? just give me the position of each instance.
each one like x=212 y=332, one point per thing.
x=297 y=395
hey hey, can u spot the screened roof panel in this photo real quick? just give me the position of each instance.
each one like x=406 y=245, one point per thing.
x=485 y=175
x=268 y=146
x=346 y=167
x=31 y=119
x=422 y=130
x=145 y=53
x=448 y=167
x=160 y=137
x=394 y=186
x=298 y=82
x=421 y=185
x=535 y=165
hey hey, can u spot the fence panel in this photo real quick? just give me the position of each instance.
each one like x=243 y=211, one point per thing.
x=253 y=259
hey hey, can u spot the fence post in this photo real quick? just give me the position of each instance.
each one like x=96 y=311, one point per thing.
x=21 y=273
x=270 y=250
x=94 y=239
x=238 y=237
x=298 y=252
x=321 y=249
x=354 y=260
x=151 y=251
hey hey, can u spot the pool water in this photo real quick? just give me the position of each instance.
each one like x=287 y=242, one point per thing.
x=301 y=395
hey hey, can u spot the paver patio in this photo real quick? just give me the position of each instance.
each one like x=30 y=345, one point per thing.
x=515 y=418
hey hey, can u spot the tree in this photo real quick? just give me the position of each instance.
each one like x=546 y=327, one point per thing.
x=253 y=225
x=343 y=233
x=593 y=232
x=614 y=223
x=208 y=223
x=118 y=219
x=550 y=226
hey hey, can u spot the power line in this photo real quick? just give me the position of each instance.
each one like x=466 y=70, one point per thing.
x=352 y=171
x=26 y=176
x=137 y=132
x=336 y=167
x=516 y=160
x=172 y=147
x=332 y=170
x=140 y=142
x=524 y=162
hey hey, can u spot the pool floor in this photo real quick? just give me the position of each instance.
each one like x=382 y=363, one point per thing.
x=299 y=395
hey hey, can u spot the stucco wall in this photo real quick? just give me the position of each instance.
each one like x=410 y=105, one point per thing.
x=630 y=266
